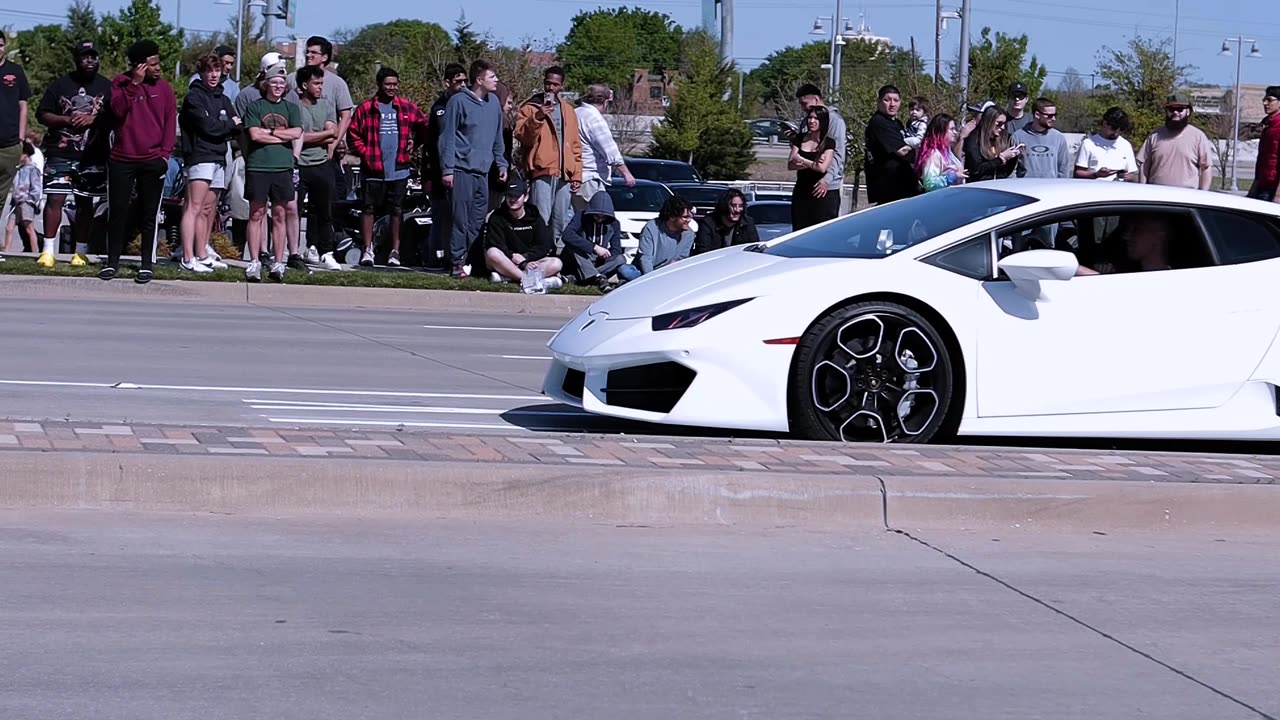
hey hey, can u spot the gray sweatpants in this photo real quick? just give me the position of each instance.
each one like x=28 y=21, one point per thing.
x=553 y=199
x=470 y=206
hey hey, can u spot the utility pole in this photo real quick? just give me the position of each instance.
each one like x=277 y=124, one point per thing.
x=837 y=48
x=726 y=31
x=964 y=52
x=1176 y=9
x=268 y=24
x=937 y=44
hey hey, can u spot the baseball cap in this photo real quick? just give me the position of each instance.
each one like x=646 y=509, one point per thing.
x=1018 y=89
x=275 y=71
x=516 y=184
x=979 y=109
x=85 y=47
x=270 y=59
x=1178 y=99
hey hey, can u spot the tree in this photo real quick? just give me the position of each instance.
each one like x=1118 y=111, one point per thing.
x=139 y=20
x=607 y=46
x=1075 y=111
x=418 y=50
x=1139 y=78
x=700 y=127
x=468 y=45
x=773 y=84
x=997 y=62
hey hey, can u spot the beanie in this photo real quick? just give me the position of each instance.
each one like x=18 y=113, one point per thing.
x=141 y=50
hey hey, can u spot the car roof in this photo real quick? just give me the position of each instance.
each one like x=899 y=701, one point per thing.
x=768 y=202
x=1072 y=192
x=639 y=183
x=655 y=161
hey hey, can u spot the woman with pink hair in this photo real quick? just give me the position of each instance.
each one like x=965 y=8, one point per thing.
x=937 y=164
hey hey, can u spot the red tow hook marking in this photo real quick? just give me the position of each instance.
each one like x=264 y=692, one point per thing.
x=783 y=341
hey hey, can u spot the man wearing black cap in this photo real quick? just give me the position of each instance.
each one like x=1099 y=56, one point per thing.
x=516 y=238
x=14 y=92
x=74 y=109
x=1266 y=175
x=144 y=115
x=1017 y=116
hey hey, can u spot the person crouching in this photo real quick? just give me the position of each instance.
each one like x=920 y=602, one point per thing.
x=516 y=239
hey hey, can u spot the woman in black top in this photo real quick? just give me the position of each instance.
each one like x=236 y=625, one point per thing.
x=811 y=155
x=987 y=154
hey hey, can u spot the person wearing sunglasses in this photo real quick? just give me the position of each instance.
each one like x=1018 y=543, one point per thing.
x=1045 y=153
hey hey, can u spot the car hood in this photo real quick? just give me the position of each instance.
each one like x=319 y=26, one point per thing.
x=728 y=274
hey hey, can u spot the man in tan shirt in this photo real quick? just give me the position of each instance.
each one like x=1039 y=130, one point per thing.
x=1178 y=153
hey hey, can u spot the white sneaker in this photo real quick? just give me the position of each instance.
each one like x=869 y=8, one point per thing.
x=277 y=272
x=312 y=255
x=195 y=266
x=329 y=262
x=496 y=278
x=394 y=259
x=211 y=263
x=366 y=258
x=212 y=254
x=253 y=273
x=555 y=282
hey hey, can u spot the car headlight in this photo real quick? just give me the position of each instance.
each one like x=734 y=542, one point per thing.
x=693 y=316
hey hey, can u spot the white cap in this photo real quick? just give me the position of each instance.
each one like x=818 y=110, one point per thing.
x=271 y=58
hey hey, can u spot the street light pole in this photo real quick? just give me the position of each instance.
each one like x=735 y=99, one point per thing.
x=1239 y=41
x=964 y=52
x=177 y=64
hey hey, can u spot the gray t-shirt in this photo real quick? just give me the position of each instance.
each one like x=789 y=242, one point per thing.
x=314 y=116
x=335 y=90
x=389 y=142
x=557 y=121
x=247 y=95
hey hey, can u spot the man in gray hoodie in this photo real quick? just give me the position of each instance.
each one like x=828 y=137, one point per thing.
x=1045 y=153
x=470 y=145
x=667 y=238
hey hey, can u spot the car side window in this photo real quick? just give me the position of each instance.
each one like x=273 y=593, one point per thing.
x=1119 y=241
x=971 y=258
x=1242 y=237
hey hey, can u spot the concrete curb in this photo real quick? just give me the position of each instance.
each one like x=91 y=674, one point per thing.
x=301 y=296
x=648 y=497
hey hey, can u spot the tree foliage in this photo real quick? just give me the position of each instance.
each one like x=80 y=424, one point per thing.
x=139 y=20
x=997 y=62
x=700 y=127
x=418 y=50
x=468 y=45
x=1139 y=78
x=607 y=46
x=1076 y=111
x=773 y=84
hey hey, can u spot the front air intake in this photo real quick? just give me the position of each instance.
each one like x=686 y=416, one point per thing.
x=656 y=387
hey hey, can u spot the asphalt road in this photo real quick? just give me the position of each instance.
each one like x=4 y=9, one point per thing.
x=124 y=616
x=151 y=362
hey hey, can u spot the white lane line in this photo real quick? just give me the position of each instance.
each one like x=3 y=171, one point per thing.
x=393 y=423
x=489 y=329
x=283 y=391
x=523 y=357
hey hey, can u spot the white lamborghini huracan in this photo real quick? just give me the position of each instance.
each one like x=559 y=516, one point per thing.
x=1017 y=307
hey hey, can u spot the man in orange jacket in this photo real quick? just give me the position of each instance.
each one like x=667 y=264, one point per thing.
x=551 y=151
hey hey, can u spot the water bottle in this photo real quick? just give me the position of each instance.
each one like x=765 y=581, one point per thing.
x=533 y=283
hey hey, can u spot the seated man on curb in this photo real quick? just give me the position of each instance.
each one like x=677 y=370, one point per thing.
x=593 y=245
x=516 y=239
x=667 y=238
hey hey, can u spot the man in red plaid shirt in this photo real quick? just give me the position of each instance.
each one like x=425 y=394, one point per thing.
x=383 y=133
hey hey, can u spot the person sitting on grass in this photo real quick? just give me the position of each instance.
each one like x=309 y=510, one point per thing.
x=516 y=240
x=666 y=239
x=593 y=245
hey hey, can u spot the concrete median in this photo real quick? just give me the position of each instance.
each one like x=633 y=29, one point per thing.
x=531 y=492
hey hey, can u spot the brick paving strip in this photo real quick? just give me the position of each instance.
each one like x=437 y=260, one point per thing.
x=603 y=451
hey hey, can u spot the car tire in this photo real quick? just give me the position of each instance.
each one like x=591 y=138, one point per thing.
x=872 y=372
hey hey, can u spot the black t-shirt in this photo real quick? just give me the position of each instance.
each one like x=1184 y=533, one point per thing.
x=806 y=176
x=889 y=175
x=70 y=95
x=13 y=90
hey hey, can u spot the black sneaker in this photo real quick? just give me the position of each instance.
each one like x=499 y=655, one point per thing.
x=297 y=263
x=107 y=273
x=265 y=258
x=144 y=277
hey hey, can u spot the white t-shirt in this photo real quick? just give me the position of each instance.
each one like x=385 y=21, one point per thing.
x=1097 y=152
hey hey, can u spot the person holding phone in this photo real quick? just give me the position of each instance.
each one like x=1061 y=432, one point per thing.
x=551 y=148
x=1106 y=155
x=988 y=152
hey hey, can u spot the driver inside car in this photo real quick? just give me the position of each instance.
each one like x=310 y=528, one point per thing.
x=1145 y=243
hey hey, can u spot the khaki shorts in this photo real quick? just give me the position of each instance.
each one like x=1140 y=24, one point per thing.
x=9 y=159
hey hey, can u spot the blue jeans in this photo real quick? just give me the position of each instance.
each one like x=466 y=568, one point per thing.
x=627 y=273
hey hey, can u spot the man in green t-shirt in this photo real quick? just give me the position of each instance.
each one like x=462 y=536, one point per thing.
x=315 y=174
x=274 y=127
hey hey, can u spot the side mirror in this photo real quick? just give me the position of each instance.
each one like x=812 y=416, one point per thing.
x=1029 y=268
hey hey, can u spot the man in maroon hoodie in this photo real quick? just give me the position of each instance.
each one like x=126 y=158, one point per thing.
x=145 y=117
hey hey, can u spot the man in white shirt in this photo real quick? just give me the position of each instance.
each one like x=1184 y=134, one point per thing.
x=600 y=155
x=1106 y=155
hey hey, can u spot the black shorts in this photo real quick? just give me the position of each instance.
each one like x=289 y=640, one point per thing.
x=384 y=195
x=273 y=187
x=63 y=176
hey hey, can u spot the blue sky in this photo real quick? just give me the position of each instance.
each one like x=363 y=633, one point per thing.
x=1062 y=35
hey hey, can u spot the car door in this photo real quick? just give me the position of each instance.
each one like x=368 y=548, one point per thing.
x=1167 y=339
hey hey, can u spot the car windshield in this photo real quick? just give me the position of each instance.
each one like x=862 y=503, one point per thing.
x=673 y=172
x=890 y=228
x=771 y=213
x=702 y=194
x=641 y=198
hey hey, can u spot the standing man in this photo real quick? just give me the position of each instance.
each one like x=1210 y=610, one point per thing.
x=1106 y=155
x=1178 y=153
x=227 y=56
x=551 y=147
x=1017 y=116
x=320 y=54
x=601 y=158
x=315 y=177
x=75 y=149
x=1266 y=174
x=382 y=135
x=14 y=93
x=833 y=181
x=1045 y=152
x=890 y=175
x=273 y=126
x=470 y=144
x=145 y=116
x=455 y=78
